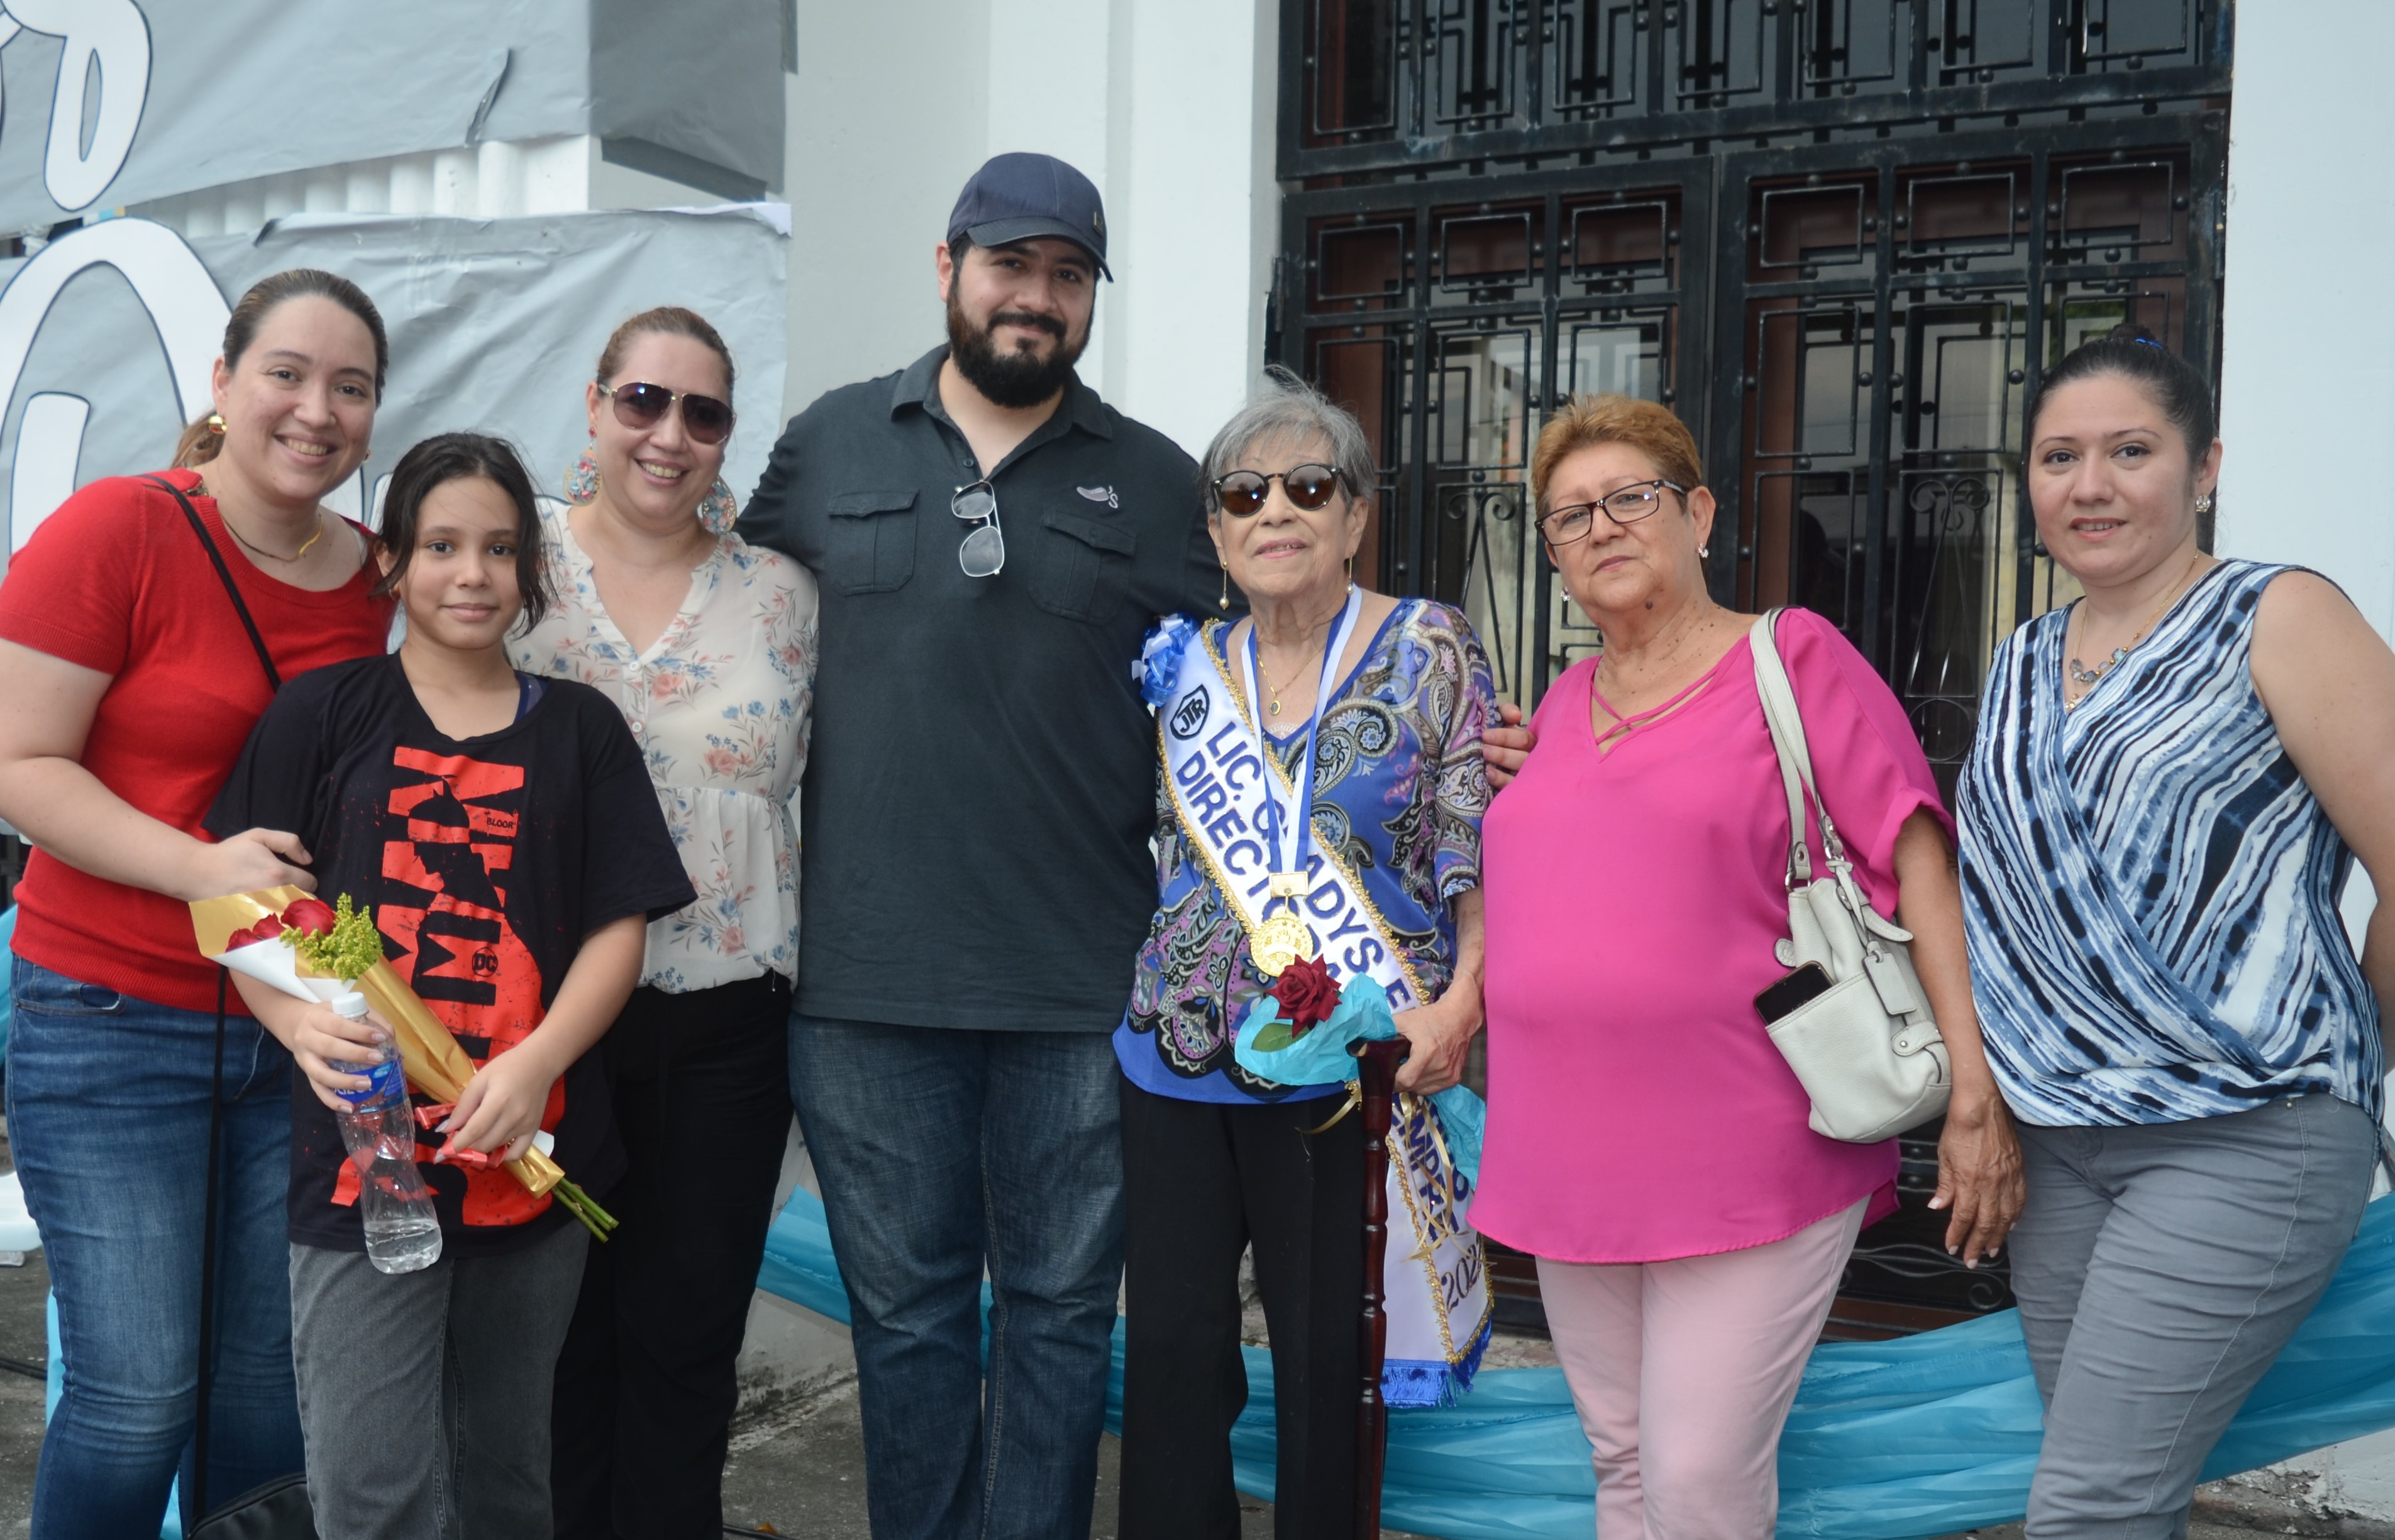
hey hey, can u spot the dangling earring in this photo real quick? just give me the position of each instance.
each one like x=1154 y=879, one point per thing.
x=582 y=482
x=2203 y=504
x=1351 y=572
x=717 y=510
x=1225 y=601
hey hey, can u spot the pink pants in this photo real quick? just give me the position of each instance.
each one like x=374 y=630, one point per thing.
x=1682 y=1372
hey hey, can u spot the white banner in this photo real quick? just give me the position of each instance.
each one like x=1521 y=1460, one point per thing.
x=107 y=334
x=113 y=102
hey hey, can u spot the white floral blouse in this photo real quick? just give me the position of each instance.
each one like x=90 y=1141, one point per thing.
x=720 y=704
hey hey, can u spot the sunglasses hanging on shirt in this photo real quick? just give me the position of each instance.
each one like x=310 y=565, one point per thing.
x=639 y=405
x=982 y=554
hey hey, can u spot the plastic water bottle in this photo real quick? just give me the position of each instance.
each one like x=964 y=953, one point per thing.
x=378 y=1127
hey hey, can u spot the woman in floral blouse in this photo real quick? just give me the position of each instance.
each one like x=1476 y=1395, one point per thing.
x=708 y=644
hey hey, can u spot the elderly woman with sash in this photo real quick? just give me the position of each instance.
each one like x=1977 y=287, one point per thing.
x=1318 y=808
x=2172 y=780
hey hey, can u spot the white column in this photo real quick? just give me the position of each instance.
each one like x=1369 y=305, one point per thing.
x=324 y=190
x=2308 y=364
x=888 y=114
x=453 y=183
x=281 y=195
x=1055 y=89
x=367 y=187
x=1194 y=244
x=411 y=185
x=498 y=179
x=2307 y=390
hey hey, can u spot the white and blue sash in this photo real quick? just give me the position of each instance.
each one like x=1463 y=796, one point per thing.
x=1435 y=1280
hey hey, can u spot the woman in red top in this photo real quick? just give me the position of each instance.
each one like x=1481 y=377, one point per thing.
x=136 y=682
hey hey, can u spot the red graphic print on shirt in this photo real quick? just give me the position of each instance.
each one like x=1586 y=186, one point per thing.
x=443 y=903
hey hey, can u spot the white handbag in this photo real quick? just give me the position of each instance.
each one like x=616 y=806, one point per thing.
x=1868 y=1051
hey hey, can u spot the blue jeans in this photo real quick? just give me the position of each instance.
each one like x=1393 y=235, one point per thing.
x=941 y=1152
x=108 y=1116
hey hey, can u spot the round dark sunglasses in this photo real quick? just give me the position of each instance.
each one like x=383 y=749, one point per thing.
x=1242 y=493
x=640 y=406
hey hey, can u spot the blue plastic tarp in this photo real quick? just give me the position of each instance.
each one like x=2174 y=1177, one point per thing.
x=1889 y=1440
x=8 y=995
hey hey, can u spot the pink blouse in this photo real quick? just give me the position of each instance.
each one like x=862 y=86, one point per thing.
x=1637 y=1110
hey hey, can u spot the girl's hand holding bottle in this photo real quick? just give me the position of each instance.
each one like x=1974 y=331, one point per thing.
x=318 y=1037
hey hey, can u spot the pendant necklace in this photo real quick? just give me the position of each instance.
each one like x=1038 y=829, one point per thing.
x=247 y=543
x=1273 y=691
x=2086 y=677
x=1283 y=938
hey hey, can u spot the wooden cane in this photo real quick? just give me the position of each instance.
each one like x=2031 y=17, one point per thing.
x=1376 y=1077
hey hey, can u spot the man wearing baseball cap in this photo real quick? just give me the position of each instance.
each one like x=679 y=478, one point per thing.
x=993 y=542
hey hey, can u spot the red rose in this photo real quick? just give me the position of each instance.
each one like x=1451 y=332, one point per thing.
x=312 y=915
x=267 y=927
x=1307 y=995
x=243 y=936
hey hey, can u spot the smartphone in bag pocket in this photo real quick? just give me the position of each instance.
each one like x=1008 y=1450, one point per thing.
x=1807 y=981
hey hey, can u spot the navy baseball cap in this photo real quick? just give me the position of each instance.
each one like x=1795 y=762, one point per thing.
x=1021 y=196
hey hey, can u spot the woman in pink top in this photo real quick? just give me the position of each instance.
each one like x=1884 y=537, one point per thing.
x=1646 y=1143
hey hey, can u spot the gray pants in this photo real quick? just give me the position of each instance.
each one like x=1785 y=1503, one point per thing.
x=424 y=1397
x=2160 y=1269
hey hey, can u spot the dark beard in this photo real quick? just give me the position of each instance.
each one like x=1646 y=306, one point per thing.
x=1011 y=379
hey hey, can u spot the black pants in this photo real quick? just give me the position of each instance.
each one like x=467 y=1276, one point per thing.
x=645 y=1388
x=1201 y=1180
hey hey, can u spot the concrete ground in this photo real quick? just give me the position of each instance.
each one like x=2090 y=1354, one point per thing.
x=804 y=1474
x=799 y=1470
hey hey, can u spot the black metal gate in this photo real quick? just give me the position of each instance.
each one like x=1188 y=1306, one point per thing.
x=1840 y=237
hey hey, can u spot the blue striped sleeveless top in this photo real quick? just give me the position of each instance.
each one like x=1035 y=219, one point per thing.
x=2149 y=889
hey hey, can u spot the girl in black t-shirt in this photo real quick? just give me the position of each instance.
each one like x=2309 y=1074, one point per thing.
x=507 y=838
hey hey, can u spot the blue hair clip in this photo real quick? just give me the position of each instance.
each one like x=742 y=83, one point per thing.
x=2148 y=342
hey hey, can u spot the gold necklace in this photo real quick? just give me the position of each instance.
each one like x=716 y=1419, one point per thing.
x=1274 y=689
x=202 y=490
x=2087 y=678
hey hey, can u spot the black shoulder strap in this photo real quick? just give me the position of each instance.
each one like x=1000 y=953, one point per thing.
x=232 y=590
x=215 y=1083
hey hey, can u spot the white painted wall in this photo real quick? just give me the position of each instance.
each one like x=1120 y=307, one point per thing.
x=1167 y=106
x=2307 y=384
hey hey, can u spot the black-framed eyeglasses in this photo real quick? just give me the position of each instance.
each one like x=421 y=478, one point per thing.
x=1623 y=506
x=642 y=405
x=984 y=551
x=1241 y=494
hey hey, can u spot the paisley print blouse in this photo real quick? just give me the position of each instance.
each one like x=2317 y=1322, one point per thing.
x=1400 y=790
x=720 y=705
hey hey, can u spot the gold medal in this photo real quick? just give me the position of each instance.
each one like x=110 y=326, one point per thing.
x=1282 y=939
x=1279 y=942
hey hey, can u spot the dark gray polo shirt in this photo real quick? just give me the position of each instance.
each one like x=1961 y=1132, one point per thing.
x=981 y=785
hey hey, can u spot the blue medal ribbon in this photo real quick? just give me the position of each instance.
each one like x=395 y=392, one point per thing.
x=1332 y=653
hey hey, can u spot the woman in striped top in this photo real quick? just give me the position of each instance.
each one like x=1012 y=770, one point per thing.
x=2153 y=847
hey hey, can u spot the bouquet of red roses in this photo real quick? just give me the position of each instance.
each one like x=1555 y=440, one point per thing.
x=305 y=947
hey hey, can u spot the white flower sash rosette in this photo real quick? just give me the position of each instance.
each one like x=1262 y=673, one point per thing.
x=1435 y=1290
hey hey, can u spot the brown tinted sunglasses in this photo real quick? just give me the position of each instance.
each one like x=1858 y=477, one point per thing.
x=639 y=405
x=1242 y=493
